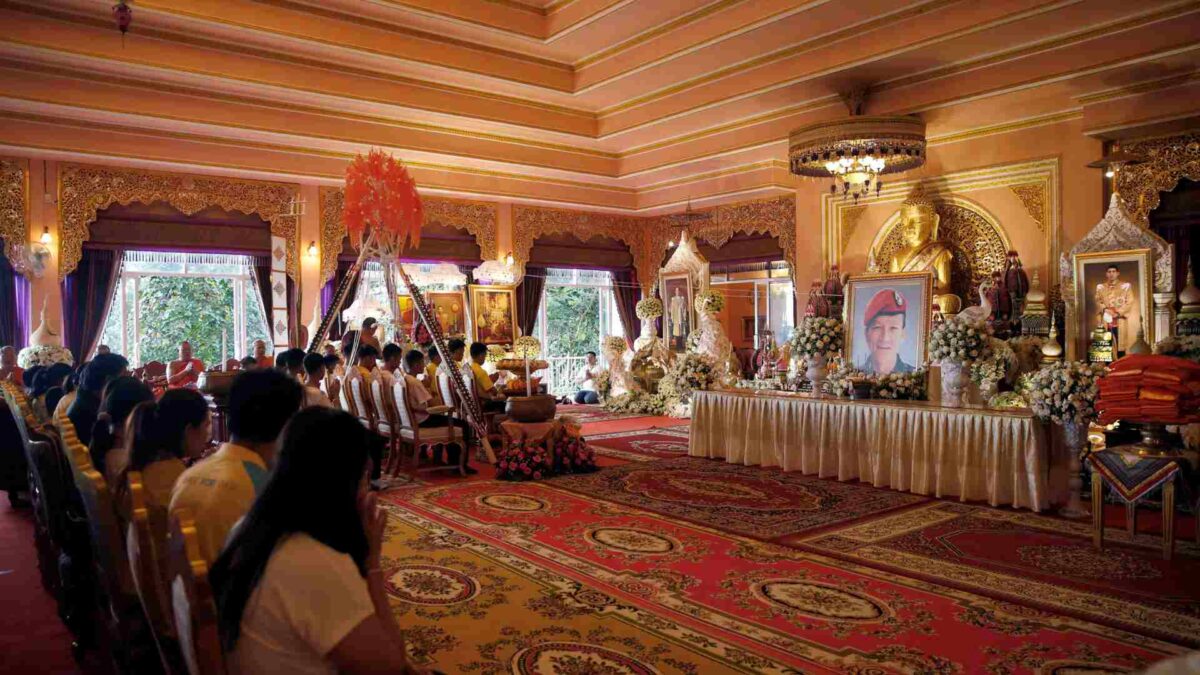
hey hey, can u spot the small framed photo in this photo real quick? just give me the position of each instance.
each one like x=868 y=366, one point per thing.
x=887 y=321
x=1114 y=290
x=450 y=310
x=680 y=317
x=494 y=314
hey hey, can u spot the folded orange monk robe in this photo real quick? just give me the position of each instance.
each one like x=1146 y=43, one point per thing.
x=1144 y=361
x=1175 y=376
x=1158 y=394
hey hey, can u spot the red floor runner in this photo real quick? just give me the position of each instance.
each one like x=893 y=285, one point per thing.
x=32 y=638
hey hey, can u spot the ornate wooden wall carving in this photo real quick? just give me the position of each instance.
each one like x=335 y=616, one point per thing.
x=647 y=238
x=478 y=218
x=1033 y=198
x=83 y=190
x=14 y=211
x=1168 y=160
x=775 y=216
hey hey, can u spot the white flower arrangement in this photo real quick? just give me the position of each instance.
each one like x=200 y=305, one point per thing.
x=999 y=364
x=818 y=336
x=44 y=355
x=902 y=386
x=614 y=344
x=649 y=308
x=1183 y=346
x=640 y=403
x=527 y=347
x=1065 y=393
x=709 y=302
x=603 y=382
x=496 y=353
x=840 y=379
x=688 y=373
x=958 y=341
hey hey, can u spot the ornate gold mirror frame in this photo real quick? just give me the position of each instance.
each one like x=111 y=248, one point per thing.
x=14 y=211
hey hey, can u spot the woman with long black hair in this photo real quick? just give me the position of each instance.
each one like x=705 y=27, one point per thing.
x=107 y=448
x=162 y=434
x=298 y=587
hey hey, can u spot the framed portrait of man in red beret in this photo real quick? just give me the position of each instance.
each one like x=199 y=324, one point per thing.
x=887 y=321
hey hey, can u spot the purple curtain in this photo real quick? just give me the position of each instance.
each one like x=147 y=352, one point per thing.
x=529 y=297
x=262 y=278
x=87 y=293
x=14 y=293
x=295 y=338
x=626 y=290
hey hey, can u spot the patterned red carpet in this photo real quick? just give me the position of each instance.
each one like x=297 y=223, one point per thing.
x=531 y=578
x=761 y=503
x=642 y=445
x=1044 y=563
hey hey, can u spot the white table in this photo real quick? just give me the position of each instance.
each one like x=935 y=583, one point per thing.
x=1001 y=457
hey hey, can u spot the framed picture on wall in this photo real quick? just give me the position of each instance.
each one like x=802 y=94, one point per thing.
x=450 y=310
x=494 y=314
x=1113 y=290
x=887 y=321
x=678 y=318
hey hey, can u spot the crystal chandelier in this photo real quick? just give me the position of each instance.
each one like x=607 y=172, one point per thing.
x=855 y=152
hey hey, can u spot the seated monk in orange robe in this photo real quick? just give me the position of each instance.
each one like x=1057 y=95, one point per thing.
x=261 y=357
x=184 y=371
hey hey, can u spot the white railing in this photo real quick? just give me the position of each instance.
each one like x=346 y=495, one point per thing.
x=560 y=376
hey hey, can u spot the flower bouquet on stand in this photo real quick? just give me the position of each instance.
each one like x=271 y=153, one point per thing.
x=818 y=339
x=709 y=302
x=519 y=461
x=1000 y=364
x=956 y=344
x=44 y=355
x=1065 y=394
x=688 y=373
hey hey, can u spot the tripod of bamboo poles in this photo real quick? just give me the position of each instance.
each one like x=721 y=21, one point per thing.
x=391 y=268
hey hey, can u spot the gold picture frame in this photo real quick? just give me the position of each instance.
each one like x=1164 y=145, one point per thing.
x=494 y=314
x=916 y=290
x=1090 y=270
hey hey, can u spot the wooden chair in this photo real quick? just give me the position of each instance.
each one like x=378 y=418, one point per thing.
x=411 y=434
x=123 y=619
x=345 y=398
x=146 y=546
x=192 y=604
x=385 y=422
x=365 y=410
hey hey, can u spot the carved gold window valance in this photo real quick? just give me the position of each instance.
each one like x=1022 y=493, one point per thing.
x=83 y=190
x=1168 y=160
x=14 y=210
x=776 y=217
x=647 y=238
x=477 y=218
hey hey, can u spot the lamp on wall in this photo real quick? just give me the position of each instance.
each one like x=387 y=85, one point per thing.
x=45 y=238
x=1114 y=161
x=312 y=249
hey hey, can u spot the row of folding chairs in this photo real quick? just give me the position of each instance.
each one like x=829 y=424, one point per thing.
x=129 y=582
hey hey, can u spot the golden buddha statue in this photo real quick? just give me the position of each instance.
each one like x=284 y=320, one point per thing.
x=922 y=251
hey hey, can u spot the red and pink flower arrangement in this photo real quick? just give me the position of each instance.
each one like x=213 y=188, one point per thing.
x=519 y=461
x=573 y=455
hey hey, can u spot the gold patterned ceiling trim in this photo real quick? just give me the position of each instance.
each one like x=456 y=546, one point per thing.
x=14 y=211
x=1168 y=161
x=1033 y=198
x=83 y=190
x=478 y=218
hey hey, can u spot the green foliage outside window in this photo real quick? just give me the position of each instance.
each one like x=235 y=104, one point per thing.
x=196 y=309
x=572 y=320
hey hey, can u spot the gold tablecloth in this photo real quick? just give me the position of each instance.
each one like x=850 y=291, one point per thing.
x=977 y=454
